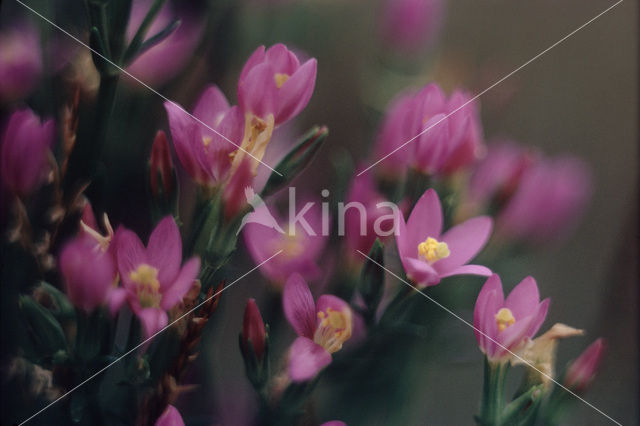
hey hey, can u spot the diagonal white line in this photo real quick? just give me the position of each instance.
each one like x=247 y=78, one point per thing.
x=449 y=311
x=146 y=85
x=492 y=86
x=146 y=340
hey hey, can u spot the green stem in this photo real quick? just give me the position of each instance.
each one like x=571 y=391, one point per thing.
x=495 y=374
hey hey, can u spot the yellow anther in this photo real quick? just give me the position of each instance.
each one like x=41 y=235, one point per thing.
x=280 y=79
x=504 y=318
x=334 y=329
x=206 y=140
x=147 y=285
x=433 y=250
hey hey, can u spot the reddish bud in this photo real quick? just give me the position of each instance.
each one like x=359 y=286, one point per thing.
x=253 y=329
x=161 y=166
x=582 y=371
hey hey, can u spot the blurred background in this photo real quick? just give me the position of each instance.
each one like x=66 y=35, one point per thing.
x=579 y=98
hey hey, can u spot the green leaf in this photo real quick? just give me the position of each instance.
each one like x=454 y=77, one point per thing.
x=523 y=407
x=43 y=327
x=371 y=285
x=296 y=160
x=138 y=38
x=56 y=301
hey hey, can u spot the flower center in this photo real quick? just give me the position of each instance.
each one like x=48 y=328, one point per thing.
x=433 y=250
x=280 y=79
x=206 y=140
x=333 y=330
x=147 y=285
x=504 y=318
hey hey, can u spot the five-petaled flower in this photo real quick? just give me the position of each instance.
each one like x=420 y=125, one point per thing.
x=152 y=276
x=502 y=325
x=428 y=255
x=322 y=328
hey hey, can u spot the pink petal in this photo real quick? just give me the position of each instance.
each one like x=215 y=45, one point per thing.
x=464 y=241
x=164 y=250
x=298 y=306
x=152 y=320
x=513 y=336
x=257 y=93
x=327 y=301
x=211 y=106
x=539 y=317
x=468 y=270
x=170 y=417
x=402 y=237
x=489 y=301
x=117 y=297
x=425 y=221
x=295 y=93
x=183 y=282
x=306 y=359
x=131 y=253
x=524 y=298
x=282 y=59
x=420 y=272
x=256 y=58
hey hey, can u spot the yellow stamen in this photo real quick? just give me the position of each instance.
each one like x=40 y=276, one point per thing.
x=206 y=140
x=147 y=285
x=257 y=134
x=504 y=318
x=280 y=79
x=334 y=329
x=433 y=250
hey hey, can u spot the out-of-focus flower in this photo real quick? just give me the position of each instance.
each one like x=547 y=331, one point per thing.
x=20 y=62
x=300 y=247
x=152 y=276
x=89 y=274
x=166 y=59
x=453 y=139
x=273 y=82
x=253 y=330
x=205 y=155
x=322 y=328
x=496 y=177
x=428 y=255
x=411 y=24
x=541 y=352
x=334 y=423
x=25 y=148
x=505 y=325
x=548 y=200
x=170 y=417
x=273 y=87
x=161 y=167
x=582 y=371
x=362 y=226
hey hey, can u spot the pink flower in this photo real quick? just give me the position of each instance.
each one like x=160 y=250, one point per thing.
x=428 y=255
x=25 y=150
x=166 y=59
x=334 y=423
x=152 y=276
x=170 y=417
x=89 y=274
x=204 y=154
x=453 y=139
x=301 y=247
x=548 y=201
x=20 y=62
x=273 y=82
x=411 y=24
x=322 y=328
x=582 y=371
x=362 y=226
x=504 y=325
x=233 y=194
x=253 y=329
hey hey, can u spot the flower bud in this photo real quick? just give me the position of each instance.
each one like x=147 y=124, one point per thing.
x=161 y=167
x=582 y=371
x=170 y=417
x=253 y=330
